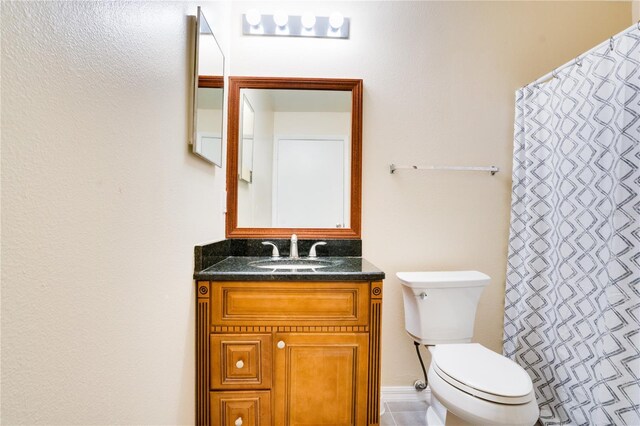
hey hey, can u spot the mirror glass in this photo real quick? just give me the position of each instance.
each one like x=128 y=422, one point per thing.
x=297 y=143
x=294 y=159
x=208 y=94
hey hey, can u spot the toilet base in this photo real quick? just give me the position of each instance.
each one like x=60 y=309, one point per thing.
x=436 y=412
x=437 y=415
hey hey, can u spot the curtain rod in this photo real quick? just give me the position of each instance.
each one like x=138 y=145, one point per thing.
x=578 y=60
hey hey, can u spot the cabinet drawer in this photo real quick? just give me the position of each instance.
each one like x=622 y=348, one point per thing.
x=290 y=303
x=240 y=408
x=240 y=361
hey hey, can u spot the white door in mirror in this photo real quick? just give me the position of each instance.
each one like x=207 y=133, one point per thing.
x=309 y=187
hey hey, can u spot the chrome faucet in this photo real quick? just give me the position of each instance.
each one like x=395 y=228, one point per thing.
x=274 y=252
x=293 y=253
x=312 y=252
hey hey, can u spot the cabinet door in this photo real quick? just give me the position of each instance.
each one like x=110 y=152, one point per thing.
x=320 y=379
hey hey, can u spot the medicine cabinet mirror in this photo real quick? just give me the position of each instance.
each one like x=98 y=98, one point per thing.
x=208 y=94
x=294 y=157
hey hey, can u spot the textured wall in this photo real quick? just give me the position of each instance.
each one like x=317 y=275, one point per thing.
x=102 y=203
x=439 y=83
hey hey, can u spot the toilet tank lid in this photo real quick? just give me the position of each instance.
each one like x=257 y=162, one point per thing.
x=436 y=279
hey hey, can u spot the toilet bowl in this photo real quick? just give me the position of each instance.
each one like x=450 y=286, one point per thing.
x=475 y=384
x=481 y=386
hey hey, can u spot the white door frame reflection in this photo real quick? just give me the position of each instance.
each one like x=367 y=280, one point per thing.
x=247 y=120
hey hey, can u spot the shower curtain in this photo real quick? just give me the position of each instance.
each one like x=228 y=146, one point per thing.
x=572 y=303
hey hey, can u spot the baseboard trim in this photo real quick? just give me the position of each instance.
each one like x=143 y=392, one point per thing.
x=404 y=393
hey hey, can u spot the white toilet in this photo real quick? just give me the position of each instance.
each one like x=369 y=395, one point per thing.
x=477 y=385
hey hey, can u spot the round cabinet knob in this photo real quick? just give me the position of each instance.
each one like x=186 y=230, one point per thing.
x=238 y=421
x=239 y=364
x=281 y=344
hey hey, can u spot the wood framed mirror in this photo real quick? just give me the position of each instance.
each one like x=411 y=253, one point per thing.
x=306 y=142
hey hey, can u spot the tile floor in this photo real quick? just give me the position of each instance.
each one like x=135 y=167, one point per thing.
x=404 y=413
x=408 y=413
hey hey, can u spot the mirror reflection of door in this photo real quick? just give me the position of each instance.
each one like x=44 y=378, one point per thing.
x=309 y=183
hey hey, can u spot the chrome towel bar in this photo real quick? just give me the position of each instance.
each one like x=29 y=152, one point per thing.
x=492 y=169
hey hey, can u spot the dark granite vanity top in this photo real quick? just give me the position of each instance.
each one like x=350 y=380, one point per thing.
x=249 y=260
x=242 y=268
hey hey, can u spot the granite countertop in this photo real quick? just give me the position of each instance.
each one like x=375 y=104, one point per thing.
x=239 y=268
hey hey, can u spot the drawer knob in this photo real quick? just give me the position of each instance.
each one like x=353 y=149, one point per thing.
x=239 y=364
x=281 y=344
x=238 y=421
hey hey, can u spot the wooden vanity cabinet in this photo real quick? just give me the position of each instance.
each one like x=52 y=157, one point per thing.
x=288 y=353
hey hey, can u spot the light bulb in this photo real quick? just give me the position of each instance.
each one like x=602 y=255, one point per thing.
x=308 y=21
x=281 y=19
x=253 y=17
x=336 y=20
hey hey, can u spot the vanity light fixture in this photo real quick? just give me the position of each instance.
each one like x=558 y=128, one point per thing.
x=307 y=25
x=281 y=19
x=308 y=21
x=336 y=20
x=253 y=17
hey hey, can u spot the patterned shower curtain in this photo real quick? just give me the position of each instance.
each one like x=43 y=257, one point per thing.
x=572 y=308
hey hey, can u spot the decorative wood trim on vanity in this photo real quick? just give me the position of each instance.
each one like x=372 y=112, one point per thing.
x=373 y=410
x=233 y=123
x=203 y=367
x=290 y=329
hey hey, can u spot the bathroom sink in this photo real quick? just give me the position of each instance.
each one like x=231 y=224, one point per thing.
x=290 y=264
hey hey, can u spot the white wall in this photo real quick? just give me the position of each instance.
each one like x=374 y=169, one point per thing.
x=102 y=204
x=439 y=83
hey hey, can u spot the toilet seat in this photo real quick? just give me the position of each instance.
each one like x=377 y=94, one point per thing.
x=478 y=371
x=477 y=411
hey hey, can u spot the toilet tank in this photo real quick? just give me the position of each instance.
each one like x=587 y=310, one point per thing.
x=440 y=307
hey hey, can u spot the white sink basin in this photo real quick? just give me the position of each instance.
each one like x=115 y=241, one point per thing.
x=288 y=263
